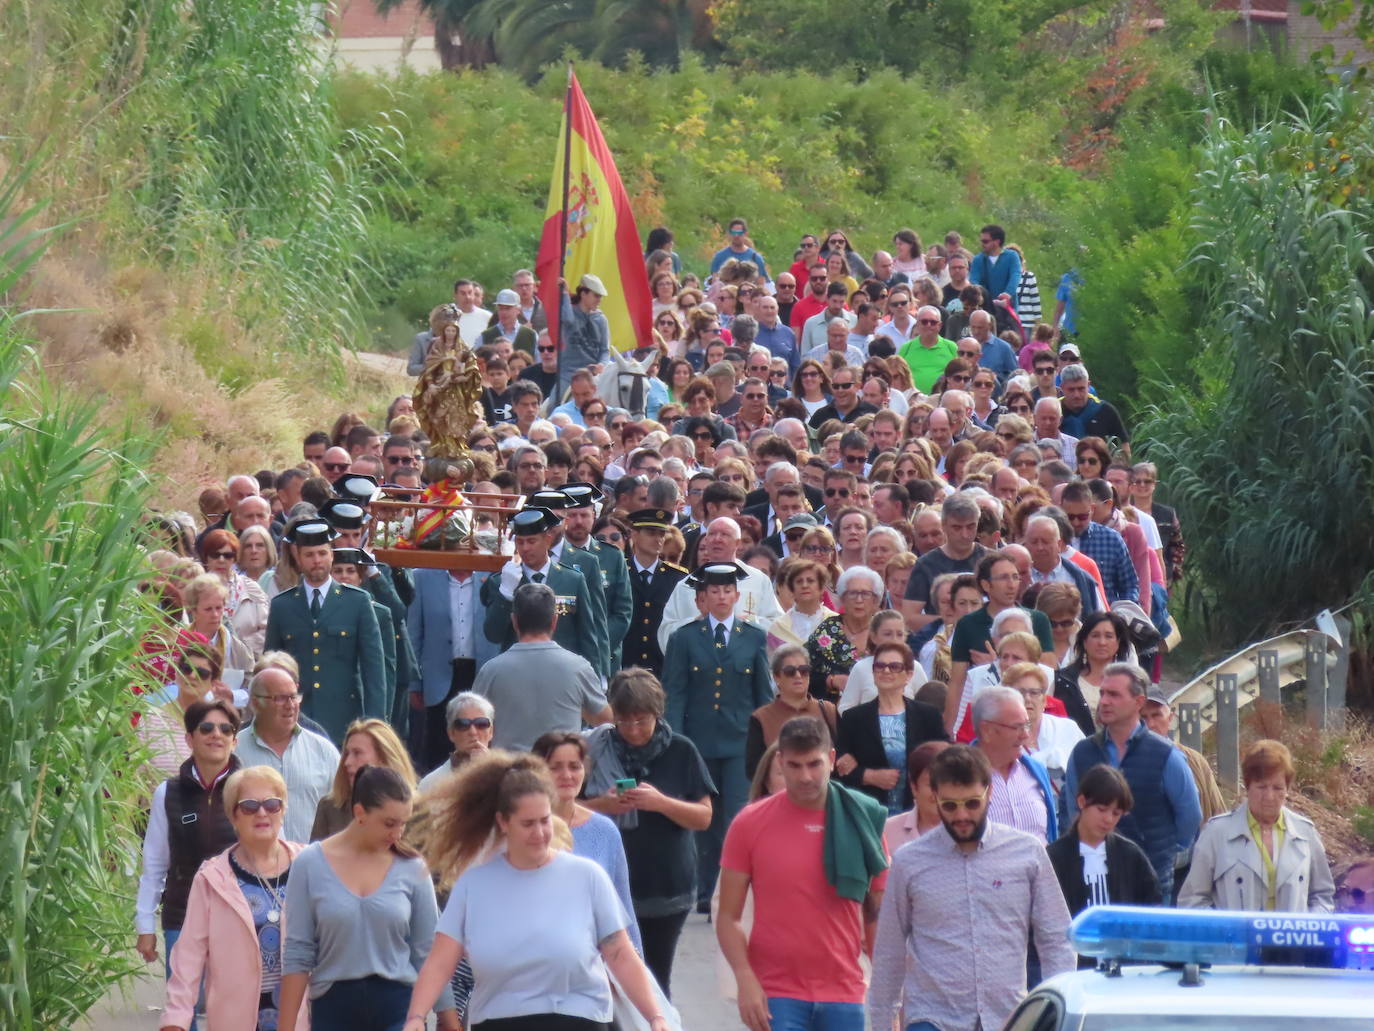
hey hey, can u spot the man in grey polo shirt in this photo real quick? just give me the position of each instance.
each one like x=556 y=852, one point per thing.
x=536 y=685
x=306 y=761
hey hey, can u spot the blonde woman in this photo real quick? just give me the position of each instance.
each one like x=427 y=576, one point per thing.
x=366 y=743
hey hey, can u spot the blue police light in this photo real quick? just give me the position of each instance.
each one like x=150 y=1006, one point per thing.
x=1142 y=934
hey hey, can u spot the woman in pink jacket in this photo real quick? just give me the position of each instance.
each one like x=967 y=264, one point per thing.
x=236 y=903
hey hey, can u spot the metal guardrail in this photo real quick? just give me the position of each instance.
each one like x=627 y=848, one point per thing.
x=1261 y=671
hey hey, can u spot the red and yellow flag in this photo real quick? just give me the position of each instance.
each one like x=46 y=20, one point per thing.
x=592 y=229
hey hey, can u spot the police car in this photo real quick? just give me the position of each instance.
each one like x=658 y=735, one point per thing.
x=1206 y=970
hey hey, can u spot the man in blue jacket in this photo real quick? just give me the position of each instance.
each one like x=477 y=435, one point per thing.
x=997 y=270
x=1167 y=812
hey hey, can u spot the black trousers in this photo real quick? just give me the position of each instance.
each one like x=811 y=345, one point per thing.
x=541 y=1022
x=659 y=935
x=436 y=746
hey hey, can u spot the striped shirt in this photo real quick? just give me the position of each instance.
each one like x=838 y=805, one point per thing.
x=954 y=928
x=307 y=766
x=1028 y=306
x=1017 y=801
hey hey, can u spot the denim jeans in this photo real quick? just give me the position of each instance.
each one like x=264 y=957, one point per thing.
x=800 y=1015
x=169 y=938
x=366 y=1004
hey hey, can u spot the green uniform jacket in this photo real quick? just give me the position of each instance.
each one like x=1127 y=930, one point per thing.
x=713 y=691
x=385 y=590
x=384 y=624
x=590 y=567
x=615 y=581
x=343 y=667
x=576 y=630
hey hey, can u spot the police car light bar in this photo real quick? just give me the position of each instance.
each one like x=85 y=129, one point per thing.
x=1142 y=934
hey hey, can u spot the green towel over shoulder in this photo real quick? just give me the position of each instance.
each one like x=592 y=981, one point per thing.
x=853 y=847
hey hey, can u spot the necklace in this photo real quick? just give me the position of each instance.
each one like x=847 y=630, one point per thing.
x=274 y=913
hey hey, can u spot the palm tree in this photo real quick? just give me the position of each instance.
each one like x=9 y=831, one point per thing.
x=457 y=45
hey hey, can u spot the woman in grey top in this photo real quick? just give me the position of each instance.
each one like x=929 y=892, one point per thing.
x=362 y=916
x=585 y=335
x=539 y=925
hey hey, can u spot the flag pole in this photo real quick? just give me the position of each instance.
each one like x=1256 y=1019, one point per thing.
x=563 y=220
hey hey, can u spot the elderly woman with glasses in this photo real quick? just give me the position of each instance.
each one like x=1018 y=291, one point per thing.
x=654 y=784
x=236 y=914
x=837 y=642
x=876 y=736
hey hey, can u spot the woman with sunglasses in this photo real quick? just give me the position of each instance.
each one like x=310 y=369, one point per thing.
x=237 y=902
x=194 y=666
x=1093 y=457
x=245 y=603
x=668 y=326
x=836 y=242
x=187 y=824
x=876 y=737
x=792 y=675
x=613 y=532
x=366 y=743
x=811 y=386
x=985 y=410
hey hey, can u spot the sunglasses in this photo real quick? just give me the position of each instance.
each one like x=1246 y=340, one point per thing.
x=890 y=667
x=1044 y=370
x=1062 y=624
x=817 y=549
x=204 y=673
x=958 y=379
x=837 y=492
x=778 y=374
x=611 y=538
x=927 y=322
x=817 y=279
x=810 y=374
x=967 y=354
x=593 y=415
x=1019 y=409
x=209 y=727
x=756 y=397
x=842 y=386
x=547 y=350
x=702 y=436
x=270 y=806
x=953 y=805
x=897 y=304
x=464 y=723
x=795 y=535
x=337 y=467
x=795 y=671
x=222 y=554
x=400 y=460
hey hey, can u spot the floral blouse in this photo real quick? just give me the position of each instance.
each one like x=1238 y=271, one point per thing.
x=830 y=652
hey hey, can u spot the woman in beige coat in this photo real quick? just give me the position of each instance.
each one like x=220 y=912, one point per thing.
x=1261 y=855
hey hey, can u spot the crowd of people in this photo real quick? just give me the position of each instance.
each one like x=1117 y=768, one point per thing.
x=843 y=627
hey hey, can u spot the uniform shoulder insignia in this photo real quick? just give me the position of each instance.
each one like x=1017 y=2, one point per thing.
x=340 y=588
x=676 y=568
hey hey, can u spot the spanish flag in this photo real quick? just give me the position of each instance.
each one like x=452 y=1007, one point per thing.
x=589 y=228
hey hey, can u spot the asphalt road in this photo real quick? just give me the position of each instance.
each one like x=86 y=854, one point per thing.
x=694 y=992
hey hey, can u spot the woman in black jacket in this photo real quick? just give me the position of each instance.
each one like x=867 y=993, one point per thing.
x=876 y=737
x=1095 y=865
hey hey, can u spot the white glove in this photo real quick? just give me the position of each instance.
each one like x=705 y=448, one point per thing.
x=510 y=579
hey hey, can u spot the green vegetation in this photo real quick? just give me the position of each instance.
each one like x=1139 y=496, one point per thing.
x=1266 y=438
x=72 y=497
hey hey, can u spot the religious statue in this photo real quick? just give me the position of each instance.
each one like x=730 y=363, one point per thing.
x=448 y=394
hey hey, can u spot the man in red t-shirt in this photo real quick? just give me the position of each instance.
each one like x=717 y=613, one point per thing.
x=810 y=249
x=812 y=302
x=798 y=968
